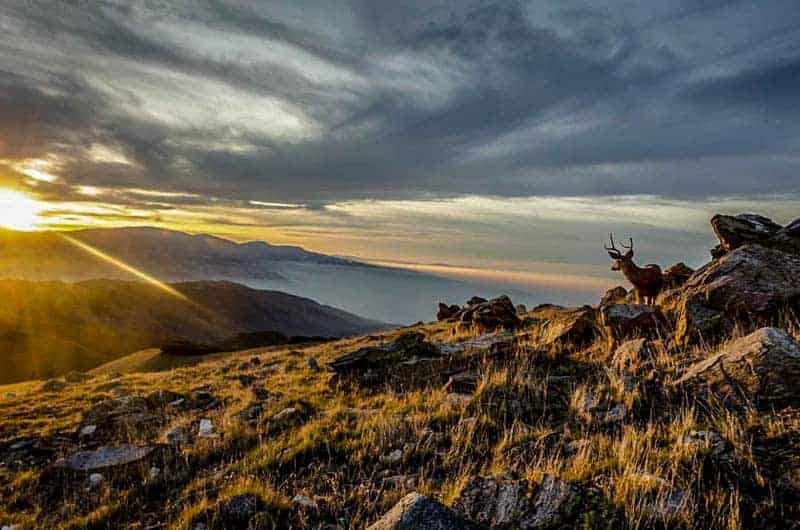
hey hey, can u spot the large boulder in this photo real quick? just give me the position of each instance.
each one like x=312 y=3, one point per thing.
x=734 y=231
x=516 y=504
x=615 y=295
x=763 y=368
x=446 y=312
x=750 y=286
x=498 y=313
x=622 y=322
x=105 y=457
x=418 y=512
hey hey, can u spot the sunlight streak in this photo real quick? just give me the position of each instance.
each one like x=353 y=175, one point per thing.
x=127 y=268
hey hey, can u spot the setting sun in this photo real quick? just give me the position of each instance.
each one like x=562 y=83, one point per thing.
x=18 y=211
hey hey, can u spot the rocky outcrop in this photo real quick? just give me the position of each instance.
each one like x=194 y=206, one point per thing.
x=750 y=286
x=498 y=313
x=762 y=368
x=418 y=512
x=622 y=322
x=734 y=231
x=446 y=312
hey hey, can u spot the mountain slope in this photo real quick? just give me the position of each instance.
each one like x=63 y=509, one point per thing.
x=167 y=254
x=47 y=328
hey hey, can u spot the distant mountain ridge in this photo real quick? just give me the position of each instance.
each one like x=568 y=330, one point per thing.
x=166 y=254
x=50 y=328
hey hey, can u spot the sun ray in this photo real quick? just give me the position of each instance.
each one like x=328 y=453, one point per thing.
x=127 y=268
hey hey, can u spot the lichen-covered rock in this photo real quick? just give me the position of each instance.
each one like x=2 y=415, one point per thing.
x=763 y=368
x=105 y=457
x=495 y=504
x=630 y=355
x=750 y=286
x=418 y=512
x=515 y=504
x=231 y=513
x=628 y=321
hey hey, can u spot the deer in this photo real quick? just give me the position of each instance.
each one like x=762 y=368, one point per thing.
x=648 y=280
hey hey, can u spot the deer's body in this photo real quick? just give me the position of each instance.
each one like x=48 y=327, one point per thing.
x=648 y=280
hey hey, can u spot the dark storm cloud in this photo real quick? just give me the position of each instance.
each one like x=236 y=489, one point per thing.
x=312 y=103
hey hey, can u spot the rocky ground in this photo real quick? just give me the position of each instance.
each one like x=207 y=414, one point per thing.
x=685 y=414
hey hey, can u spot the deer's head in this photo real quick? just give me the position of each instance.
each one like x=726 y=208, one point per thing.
x=619 y=258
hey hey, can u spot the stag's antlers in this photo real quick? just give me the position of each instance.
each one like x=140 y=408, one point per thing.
x=614 y=252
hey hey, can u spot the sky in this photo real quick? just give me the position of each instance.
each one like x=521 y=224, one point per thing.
x=497 y=136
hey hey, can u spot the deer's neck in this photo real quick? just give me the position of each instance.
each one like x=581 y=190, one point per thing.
x=631 y=271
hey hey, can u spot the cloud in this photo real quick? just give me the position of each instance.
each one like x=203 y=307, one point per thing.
x=309 y=108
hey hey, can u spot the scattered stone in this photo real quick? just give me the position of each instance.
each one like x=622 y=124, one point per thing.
x=53 y=385
x=762 y=367
x=463 y=383
x=418 y=512
x=285 y=413
x=235 y=512
x=96 y=480
x=305 y=502
x=615 y=414
x=251 y=414
x=88 y=430
x=76 y=377
x=153 y=473
x=161 y=398
x=446 y=312
x=705 y=439
x=521 y=309
x=206 y=429
x=476 y=300
x=488 y=344
x=313 y=365
x=392 y=458
x=750 y=286
x=105 y=457
x=179 y=435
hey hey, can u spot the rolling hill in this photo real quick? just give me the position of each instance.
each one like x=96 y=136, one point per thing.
x=49 y=328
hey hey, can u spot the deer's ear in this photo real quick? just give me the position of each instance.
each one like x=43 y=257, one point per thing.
x=629 y=254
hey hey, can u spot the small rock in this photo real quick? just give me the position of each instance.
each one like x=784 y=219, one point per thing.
x=96 y=480
x=206 y=429
x=88 y=430
x=154 y=473
x=393 y=457
x=305 y=502
x=179 y=435
x=615 y=295
x=313 y=364
x=447 y=312
x=615 y=414
x=463 y=383
x=285 y=413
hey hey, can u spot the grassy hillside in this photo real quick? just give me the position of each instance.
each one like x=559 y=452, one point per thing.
x=50 y=328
